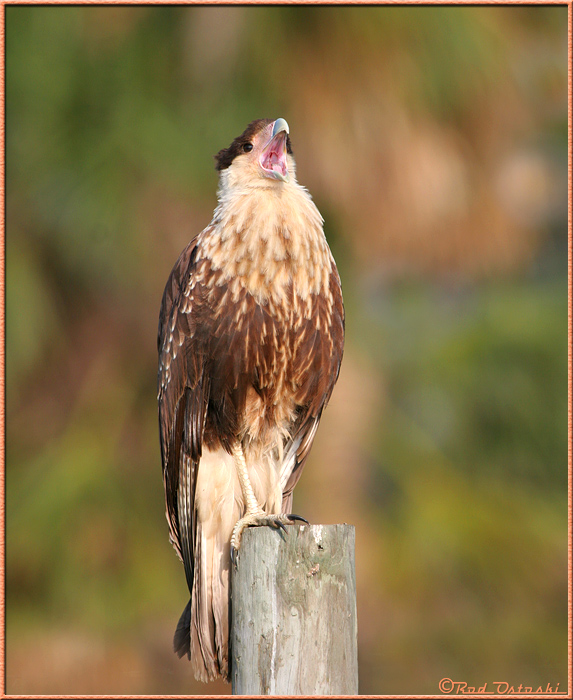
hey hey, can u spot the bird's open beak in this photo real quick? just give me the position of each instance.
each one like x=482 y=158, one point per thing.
x=273 y=158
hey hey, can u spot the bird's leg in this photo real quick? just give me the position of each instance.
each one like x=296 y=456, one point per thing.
x=254 y=515
x=251 y=504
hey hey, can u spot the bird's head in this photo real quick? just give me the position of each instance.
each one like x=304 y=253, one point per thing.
x=261 y=155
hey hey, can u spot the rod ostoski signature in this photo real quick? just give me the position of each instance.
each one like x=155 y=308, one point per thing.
x=447 y=686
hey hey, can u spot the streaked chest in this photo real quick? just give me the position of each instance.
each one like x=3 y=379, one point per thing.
x=271 y=246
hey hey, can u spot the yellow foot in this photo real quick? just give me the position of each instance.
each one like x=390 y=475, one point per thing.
x=258 y=519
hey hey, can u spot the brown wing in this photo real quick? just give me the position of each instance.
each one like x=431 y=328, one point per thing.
x=182 y=403
x=320 y=345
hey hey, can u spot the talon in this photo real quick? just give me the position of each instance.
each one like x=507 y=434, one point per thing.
x=297 y=517
x=257 y=519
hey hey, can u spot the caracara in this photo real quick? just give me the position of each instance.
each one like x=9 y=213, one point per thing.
x=251 y=332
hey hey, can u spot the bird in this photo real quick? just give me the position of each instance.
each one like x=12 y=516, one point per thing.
x=250 y=343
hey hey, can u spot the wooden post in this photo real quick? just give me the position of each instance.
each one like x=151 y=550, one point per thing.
x=293 y=612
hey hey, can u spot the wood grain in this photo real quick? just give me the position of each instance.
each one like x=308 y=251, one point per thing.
x=293 y=612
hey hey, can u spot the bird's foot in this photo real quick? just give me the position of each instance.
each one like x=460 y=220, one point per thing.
x=258 y=519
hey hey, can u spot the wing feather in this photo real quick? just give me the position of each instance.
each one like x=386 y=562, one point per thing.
x=320 y=349
x=182 y=405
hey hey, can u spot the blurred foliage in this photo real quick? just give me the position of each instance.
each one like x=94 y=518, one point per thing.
x=434 y=140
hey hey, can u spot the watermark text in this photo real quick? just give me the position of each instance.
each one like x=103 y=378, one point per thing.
x=448 y=686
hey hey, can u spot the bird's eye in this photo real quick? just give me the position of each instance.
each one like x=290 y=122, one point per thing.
x=247 y=147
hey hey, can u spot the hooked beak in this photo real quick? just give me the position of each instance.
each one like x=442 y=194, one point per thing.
x=273 y=158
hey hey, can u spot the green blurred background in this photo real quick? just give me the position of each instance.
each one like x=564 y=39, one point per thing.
x=434 y=141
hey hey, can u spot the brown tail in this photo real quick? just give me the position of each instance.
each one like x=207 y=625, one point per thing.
x=203 y=629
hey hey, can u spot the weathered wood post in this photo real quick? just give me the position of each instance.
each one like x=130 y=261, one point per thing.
x=293 y=612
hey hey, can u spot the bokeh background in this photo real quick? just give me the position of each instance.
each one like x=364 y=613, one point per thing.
x=434 y=141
